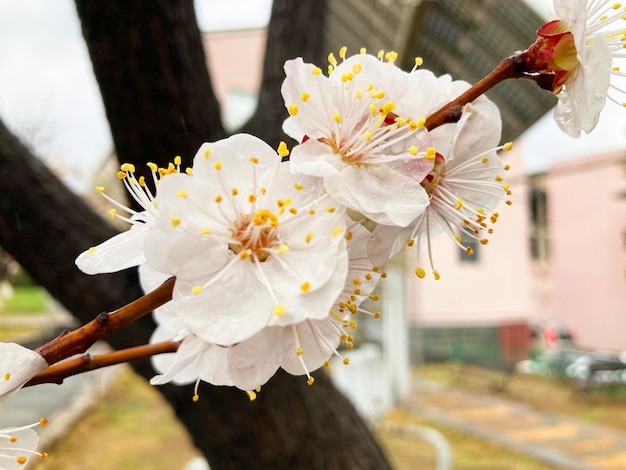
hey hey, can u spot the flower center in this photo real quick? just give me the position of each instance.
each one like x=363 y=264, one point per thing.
x=255 y=234
x=431 y=181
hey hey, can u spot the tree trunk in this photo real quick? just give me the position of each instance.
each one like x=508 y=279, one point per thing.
x=146 y=61
x=294 y=31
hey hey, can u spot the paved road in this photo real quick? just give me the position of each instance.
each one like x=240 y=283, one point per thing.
x=565 y=442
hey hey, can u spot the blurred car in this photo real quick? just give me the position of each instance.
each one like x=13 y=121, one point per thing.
x=554 y=353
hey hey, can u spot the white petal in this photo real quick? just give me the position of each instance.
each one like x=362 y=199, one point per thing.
x=17 y=366
x=120 y=252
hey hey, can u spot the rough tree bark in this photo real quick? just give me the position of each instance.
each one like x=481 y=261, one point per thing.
x=43 y=225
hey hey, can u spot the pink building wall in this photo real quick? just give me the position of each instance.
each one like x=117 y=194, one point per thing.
x=235 y=60
x=587 y=214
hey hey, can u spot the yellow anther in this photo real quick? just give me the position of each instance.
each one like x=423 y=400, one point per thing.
x=309 y=237
x=359 y=94
x=374 y=297
x=218 y=165
x=377 y=315
x=283 y=249
x=419 y=272
x=353 y=324
x=431 y=153
x=484 y=160
x=175 y=221
x=196 y=290
x=206 y=231
x=508 y=146
x=505 y=185
x=293 y=109
x=508 y=203
x=142 y=181
x=410 y=242
x=181 y=194
x=356 y=69
x=99 y=189
x=251 y=395
x=279 y=310
x=362 y=51
x=469 y=250
x=282 y=151
x=391 y=56
x=418 y=61
x=293 y=210
x=127 y=167
x=331 y=59
x=254 y=160
x=245 y=254
x=251 y=198
x=498 y=178
x=299 y=351
x=336 y=231
x=375 y=268
x=112 y=212
x=373 y=109
x=368 y=276
x=91 y=250
x=413 y=150
x=342 y=52
x=218 y=198
x=234 y=191
x=458 y=205
x=121 y=175
x=305 y=96
x=437 y=276
x=177 y=160
x=484 y=241
x=458 y=238
x=330 y=209
x=22 y=460
x=346 y=361
x=337 y=118
x=152 y=166
x=207 y=154
x=367 y=136
x=616 y=5
x=347 y=77
x=305 y=286
x=316 y=71
x=380 y=54
x=507 y=167
x=310 y=380
x=348 y=235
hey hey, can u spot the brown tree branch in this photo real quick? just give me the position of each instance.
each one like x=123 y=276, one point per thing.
x=58 y=372
x=78 y=341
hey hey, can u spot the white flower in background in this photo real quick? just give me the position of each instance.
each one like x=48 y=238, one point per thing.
x=17 y=366
x=17 y=446
x=464 y=187
x=581 y=48
x=125 y=250
x=250 y=244
x=357 y=134
x=298 y=348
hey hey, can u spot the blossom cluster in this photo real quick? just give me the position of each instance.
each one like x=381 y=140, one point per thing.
x=273 y=259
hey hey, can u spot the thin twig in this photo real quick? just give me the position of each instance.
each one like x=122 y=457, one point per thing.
x=78 y=341
x=56 y=373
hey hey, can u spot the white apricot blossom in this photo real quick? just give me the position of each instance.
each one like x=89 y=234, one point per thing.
x=582 y=48
x=464 y=187
x=357 y=134
x=18 y=445
x=17 y=366
x=125 y=250
x=298 y=348
x=250 y=244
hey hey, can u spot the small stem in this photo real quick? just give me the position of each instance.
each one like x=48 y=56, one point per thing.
x=58 y=372
x=78 y=341
x=511 y=67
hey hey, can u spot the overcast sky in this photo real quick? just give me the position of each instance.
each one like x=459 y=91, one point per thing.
x=47 y=90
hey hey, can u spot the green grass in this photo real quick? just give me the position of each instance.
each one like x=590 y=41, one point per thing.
x=26 y=300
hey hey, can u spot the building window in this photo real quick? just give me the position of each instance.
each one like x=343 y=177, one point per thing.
x=539 y=236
